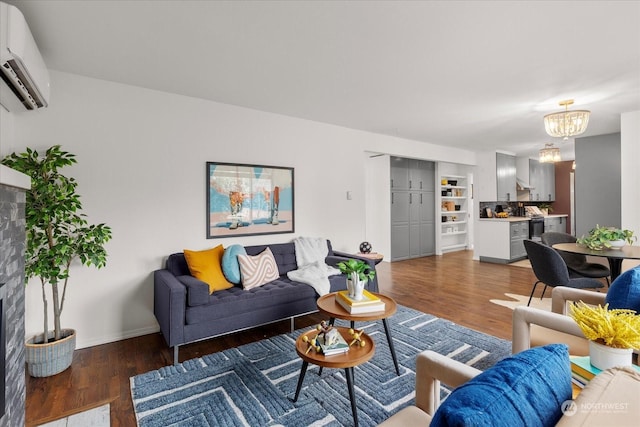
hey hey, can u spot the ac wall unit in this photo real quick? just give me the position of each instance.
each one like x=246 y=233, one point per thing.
x=24 y=78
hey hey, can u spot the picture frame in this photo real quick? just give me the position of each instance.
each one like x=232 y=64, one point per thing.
x=248 y=200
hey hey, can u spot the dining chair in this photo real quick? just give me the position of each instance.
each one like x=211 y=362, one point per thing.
x=551 y=270
x=576 y=263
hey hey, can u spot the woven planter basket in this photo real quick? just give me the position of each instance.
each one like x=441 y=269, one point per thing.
x=44 y=360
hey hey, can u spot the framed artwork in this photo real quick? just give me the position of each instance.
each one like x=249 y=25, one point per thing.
x=245 y=200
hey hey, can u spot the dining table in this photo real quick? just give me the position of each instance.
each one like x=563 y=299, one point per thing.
x=614 y=256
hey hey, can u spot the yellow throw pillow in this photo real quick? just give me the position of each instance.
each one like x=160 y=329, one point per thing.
x=207 y=266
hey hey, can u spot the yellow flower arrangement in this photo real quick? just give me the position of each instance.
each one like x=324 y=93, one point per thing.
x=615 y=328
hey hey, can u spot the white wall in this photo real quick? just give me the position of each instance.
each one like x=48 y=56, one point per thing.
x=141 y=169
x=630 y=182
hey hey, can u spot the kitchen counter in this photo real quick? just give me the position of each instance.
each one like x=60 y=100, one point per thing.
x=521 y=218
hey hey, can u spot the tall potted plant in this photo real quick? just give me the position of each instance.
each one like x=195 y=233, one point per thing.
x=57 y=235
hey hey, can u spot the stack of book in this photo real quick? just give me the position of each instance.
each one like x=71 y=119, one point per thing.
x=339 y=346
x=582 y=371
x=368 y=304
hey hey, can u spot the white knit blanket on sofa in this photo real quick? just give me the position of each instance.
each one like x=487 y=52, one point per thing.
x=312 y=270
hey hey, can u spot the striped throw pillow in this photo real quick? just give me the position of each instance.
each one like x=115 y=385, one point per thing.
x=258 y=270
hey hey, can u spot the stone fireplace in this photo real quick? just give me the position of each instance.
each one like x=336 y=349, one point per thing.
x=12 y=328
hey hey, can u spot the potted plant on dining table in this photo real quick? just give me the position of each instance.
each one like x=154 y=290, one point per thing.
x=600 y=238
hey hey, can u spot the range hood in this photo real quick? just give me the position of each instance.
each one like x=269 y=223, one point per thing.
x=521 y=185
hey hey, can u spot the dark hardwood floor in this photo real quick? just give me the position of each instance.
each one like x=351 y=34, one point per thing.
x=452 y=286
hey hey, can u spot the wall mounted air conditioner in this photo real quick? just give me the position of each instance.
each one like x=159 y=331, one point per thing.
x=24 y=78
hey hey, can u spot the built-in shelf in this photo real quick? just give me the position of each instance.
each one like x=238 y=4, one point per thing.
x=453 y=234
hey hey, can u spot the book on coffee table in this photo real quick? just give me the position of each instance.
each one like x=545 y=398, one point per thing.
x=368 y=304
x=339 y=345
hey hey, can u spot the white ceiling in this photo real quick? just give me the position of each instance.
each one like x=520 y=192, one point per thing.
x=473 y=74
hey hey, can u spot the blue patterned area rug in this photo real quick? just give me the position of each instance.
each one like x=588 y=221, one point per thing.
x=253 y=385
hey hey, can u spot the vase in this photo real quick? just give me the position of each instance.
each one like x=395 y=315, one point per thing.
x=45 y=360
x=617 y=244
x=358 y=289
x=605 y=357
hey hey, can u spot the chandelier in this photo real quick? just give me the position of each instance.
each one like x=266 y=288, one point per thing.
x=549 y=154
x=564 y=124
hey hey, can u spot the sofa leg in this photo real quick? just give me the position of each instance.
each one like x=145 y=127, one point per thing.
x=293 y=324
x=175 y=354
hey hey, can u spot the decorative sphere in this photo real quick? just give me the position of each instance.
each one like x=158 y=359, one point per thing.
x=365 y=247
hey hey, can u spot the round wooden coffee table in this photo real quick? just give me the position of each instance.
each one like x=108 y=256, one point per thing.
x=328 y=305
x=355 y=356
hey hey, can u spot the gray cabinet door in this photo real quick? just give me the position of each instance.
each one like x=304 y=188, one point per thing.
x=399 y=207
x=506 y=177
x=400 y=242
x=421 y=175
x=399 y=173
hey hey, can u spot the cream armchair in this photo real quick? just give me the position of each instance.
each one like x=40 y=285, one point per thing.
x=531 y=328
x=534 y=327
x=431 y=369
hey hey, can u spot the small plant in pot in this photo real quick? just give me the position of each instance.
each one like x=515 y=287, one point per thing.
x=600 y=238
x=358 y=274
x=612 y=334
x=57 y=235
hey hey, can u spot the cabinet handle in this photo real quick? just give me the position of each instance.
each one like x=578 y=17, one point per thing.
x=420 y=198
x=410 y=198
x=391 y=198
x=409 y=183
x=421 y=185
x=508 y=197
x=549 y=196
x=392 y=183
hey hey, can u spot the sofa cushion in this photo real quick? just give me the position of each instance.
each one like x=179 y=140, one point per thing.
x=526 y=389
x=206 y=266
x=231 y=302
x=230 y=265
x=258 y=270
x=624 y=292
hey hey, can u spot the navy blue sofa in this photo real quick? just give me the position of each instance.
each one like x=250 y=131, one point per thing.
x=187 y=313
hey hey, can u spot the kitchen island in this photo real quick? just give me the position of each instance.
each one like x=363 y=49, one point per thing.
x=501 y=240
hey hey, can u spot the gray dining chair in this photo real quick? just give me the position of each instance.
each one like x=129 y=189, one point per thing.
x=576 y=263
x=551 y=270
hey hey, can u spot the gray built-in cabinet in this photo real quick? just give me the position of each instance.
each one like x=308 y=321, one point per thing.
x=412 y=208
x=506 y=177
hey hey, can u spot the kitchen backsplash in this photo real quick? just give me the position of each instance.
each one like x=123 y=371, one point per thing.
x=512 y=208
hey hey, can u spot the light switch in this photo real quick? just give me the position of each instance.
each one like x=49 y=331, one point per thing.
x=348 y=195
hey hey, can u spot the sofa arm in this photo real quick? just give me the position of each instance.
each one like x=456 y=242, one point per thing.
x=169 y=305
x=337 y=257
x=561 y=294
x=524 y=317
x=433 y=368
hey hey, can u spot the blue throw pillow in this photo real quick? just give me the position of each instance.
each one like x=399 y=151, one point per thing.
x=526 y=389
x=230 y=265
x=624 y=292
